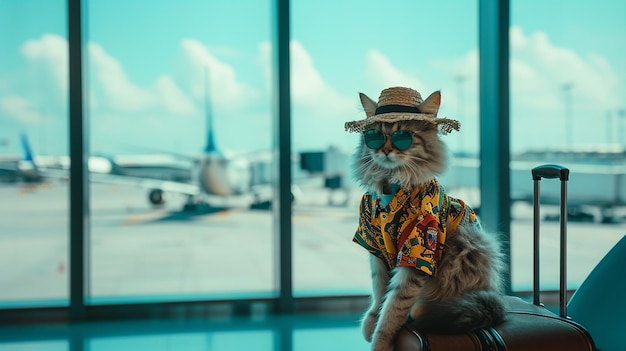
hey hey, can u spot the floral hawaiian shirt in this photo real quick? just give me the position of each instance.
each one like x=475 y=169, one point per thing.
x=411 y=229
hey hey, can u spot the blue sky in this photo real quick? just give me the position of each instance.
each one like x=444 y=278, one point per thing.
x=148 y=62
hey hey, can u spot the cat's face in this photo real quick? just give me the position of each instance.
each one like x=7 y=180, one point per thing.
x=420 y=162
x=398 y=160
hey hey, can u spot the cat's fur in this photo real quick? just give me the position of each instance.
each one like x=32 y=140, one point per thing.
x=464 y=294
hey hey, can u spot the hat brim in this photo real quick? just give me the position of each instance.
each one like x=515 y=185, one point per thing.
x=445 y=125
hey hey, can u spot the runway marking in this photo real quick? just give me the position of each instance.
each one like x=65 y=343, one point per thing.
x=143 y=217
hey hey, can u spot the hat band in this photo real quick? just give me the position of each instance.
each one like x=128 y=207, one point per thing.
x=396 y=108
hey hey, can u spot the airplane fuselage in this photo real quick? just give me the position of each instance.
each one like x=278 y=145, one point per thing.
x=224 y=177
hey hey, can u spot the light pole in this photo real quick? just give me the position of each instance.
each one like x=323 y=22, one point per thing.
x=460 y=79
x=609 y=128
x=622 y=117
x=567 y=92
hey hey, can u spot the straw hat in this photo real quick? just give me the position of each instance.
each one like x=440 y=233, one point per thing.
x=402 y=104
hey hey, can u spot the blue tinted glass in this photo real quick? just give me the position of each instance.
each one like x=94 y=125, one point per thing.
x=402 y=139
x=374 y=139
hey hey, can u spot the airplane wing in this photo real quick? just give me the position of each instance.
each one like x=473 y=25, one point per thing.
x=147 y=183
x=4 y=166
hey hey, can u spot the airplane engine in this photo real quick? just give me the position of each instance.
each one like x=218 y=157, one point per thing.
x=156 y=197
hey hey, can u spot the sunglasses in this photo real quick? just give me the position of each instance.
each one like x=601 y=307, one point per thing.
x=375 y=139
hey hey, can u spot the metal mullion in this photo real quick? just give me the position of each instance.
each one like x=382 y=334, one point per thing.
x=495 y=203
x=79 y=190
x=282 y=152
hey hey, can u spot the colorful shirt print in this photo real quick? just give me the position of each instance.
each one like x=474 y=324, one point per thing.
x=411 y=230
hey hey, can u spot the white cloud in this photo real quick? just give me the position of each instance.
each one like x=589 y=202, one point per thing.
x=308 y=88
x=224 y=88
x=316 y=106
x=21 y=109
x=119 y=93
x=122 y=95
x=173 y=98
x=441 y=74
x=113 y=90
x=380 y=69
x=265 y=61
x=541 y=68
x=51 y=51
x=307 y=84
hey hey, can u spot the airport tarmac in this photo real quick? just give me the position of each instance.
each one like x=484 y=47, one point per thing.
x=139 y=253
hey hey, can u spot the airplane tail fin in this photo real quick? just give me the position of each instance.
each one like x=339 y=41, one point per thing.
x=26 y=149
x=210 y=142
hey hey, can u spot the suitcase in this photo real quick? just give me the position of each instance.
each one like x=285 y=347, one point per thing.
x=528 y=326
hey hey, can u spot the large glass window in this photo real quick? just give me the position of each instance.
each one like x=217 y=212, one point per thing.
x=180 y=124
x=33 y=154
x=179 y=110
x=365 y=48
x=567 y=107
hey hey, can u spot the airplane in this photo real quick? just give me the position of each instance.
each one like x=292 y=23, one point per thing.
x=235 y=181
x=219 y=180
x=8 y=168
x=212 y=179
x=37 y=169
x=158 y=166
x=25 y=169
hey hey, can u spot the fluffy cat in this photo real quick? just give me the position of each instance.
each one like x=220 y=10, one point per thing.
x=454 y=286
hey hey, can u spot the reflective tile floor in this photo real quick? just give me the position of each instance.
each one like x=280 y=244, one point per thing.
x=273 y=333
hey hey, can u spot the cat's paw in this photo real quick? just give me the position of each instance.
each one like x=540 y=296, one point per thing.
x=368 y=324
x=382 y=344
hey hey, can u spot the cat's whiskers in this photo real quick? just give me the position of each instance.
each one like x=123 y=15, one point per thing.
x=366 y=165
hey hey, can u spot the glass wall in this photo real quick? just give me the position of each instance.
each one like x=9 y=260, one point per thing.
x=179 y=109
x=567 y=107
x=366 y=48
x=180 y=121
x=33 y=154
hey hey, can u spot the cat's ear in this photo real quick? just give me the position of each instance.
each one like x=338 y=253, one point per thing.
x=368 y=105
x=431 y=104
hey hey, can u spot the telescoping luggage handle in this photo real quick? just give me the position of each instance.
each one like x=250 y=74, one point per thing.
x=551 y=171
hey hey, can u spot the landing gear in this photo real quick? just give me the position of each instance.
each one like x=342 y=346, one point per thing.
x=189 y=207
x=194 y=204
x=607 y=215
x=156 y=197
x=260 y=203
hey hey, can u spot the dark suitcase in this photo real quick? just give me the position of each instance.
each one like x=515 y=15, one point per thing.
x=528 y=326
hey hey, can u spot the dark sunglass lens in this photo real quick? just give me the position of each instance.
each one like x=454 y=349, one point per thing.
x=374 y=139
x=402 y=139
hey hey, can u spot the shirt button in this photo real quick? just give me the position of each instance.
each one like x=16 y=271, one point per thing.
x=384 y=216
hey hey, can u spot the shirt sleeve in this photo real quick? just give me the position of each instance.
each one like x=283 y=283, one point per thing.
x=365 y=235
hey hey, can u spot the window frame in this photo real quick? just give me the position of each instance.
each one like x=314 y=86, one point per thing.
x=494 y=156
